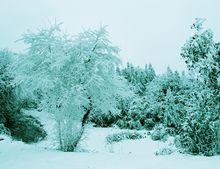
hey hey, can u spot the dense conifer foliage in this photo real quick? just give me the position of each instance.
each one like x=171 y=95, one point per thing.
x=185 y=106
x=202 y=56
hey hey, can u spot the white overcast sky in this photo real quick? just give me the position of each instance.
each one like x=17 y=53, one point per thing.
x=147 y=31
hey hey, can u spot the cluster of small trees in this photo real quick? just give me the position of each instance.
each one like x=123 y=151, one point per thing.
x=138 y=77
x=183 y=105
x=191 y=104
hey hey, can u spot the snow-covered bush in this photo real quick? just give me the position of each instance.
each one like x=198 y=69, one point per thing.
x=159 y=133
x=162 y=102
x=165 y=99
x=164 y=151
x=26 y=128
x=4 y=130
x=132 y=110
x=187 y=106
x=201 y=54
x=134 y=117
x=7 y=97
x=109 y=119
x=138 y=77
x=126 y=135
x=197 y=134
x=103 y=120
x=12 y=120
x=72 y=76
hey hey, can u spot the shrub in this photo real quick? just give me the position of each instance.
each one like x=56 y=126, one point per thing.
x=164 y=151
x=12 y=120
x=117 y=137
x=201 y=54
x=26 y=128
x=197 y=135
x=129 y=125
x=198 y=138
x=103 y=120
x=136 y=117
x=4 y=130
x=159 y=133
x=165 y=98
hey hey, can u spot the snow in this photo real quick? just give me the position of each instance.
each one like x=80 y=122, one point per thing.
x=90 y=143
x=94 y=153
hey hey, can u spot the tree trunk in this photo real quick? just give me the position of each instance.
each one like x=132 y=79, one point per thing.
x=60 y=137
x=88 y=111
x=84 y=119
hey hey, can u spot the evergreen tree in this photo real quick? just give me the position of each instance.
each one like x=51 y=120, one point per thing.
x=201 y=54
x=138 y=77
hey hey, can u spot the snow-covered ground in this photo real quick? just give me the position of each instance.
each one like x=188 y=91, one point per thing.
x=93 y=152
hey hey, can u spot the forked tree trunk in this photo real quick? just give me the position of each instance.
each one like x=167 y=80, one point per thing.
x=69 y=141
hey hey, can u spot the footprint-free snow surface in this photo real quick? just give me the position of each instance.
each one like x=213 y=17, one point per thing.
x=94 y=152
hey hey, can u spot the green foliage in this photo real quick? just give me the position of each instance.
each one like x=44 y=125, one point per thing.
x=164 y=151
x=163 y=103
x=198 y=135
x=159 y=133
x=26 y=128
x=12 y=120
x=4 y=130
x=103 y=119
x=135 y=117
x=164 y=99
x=117 y=137
x=7 y=97
x=73 y=77
x=186 y=106
x=138 y=77
x=201 y=54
